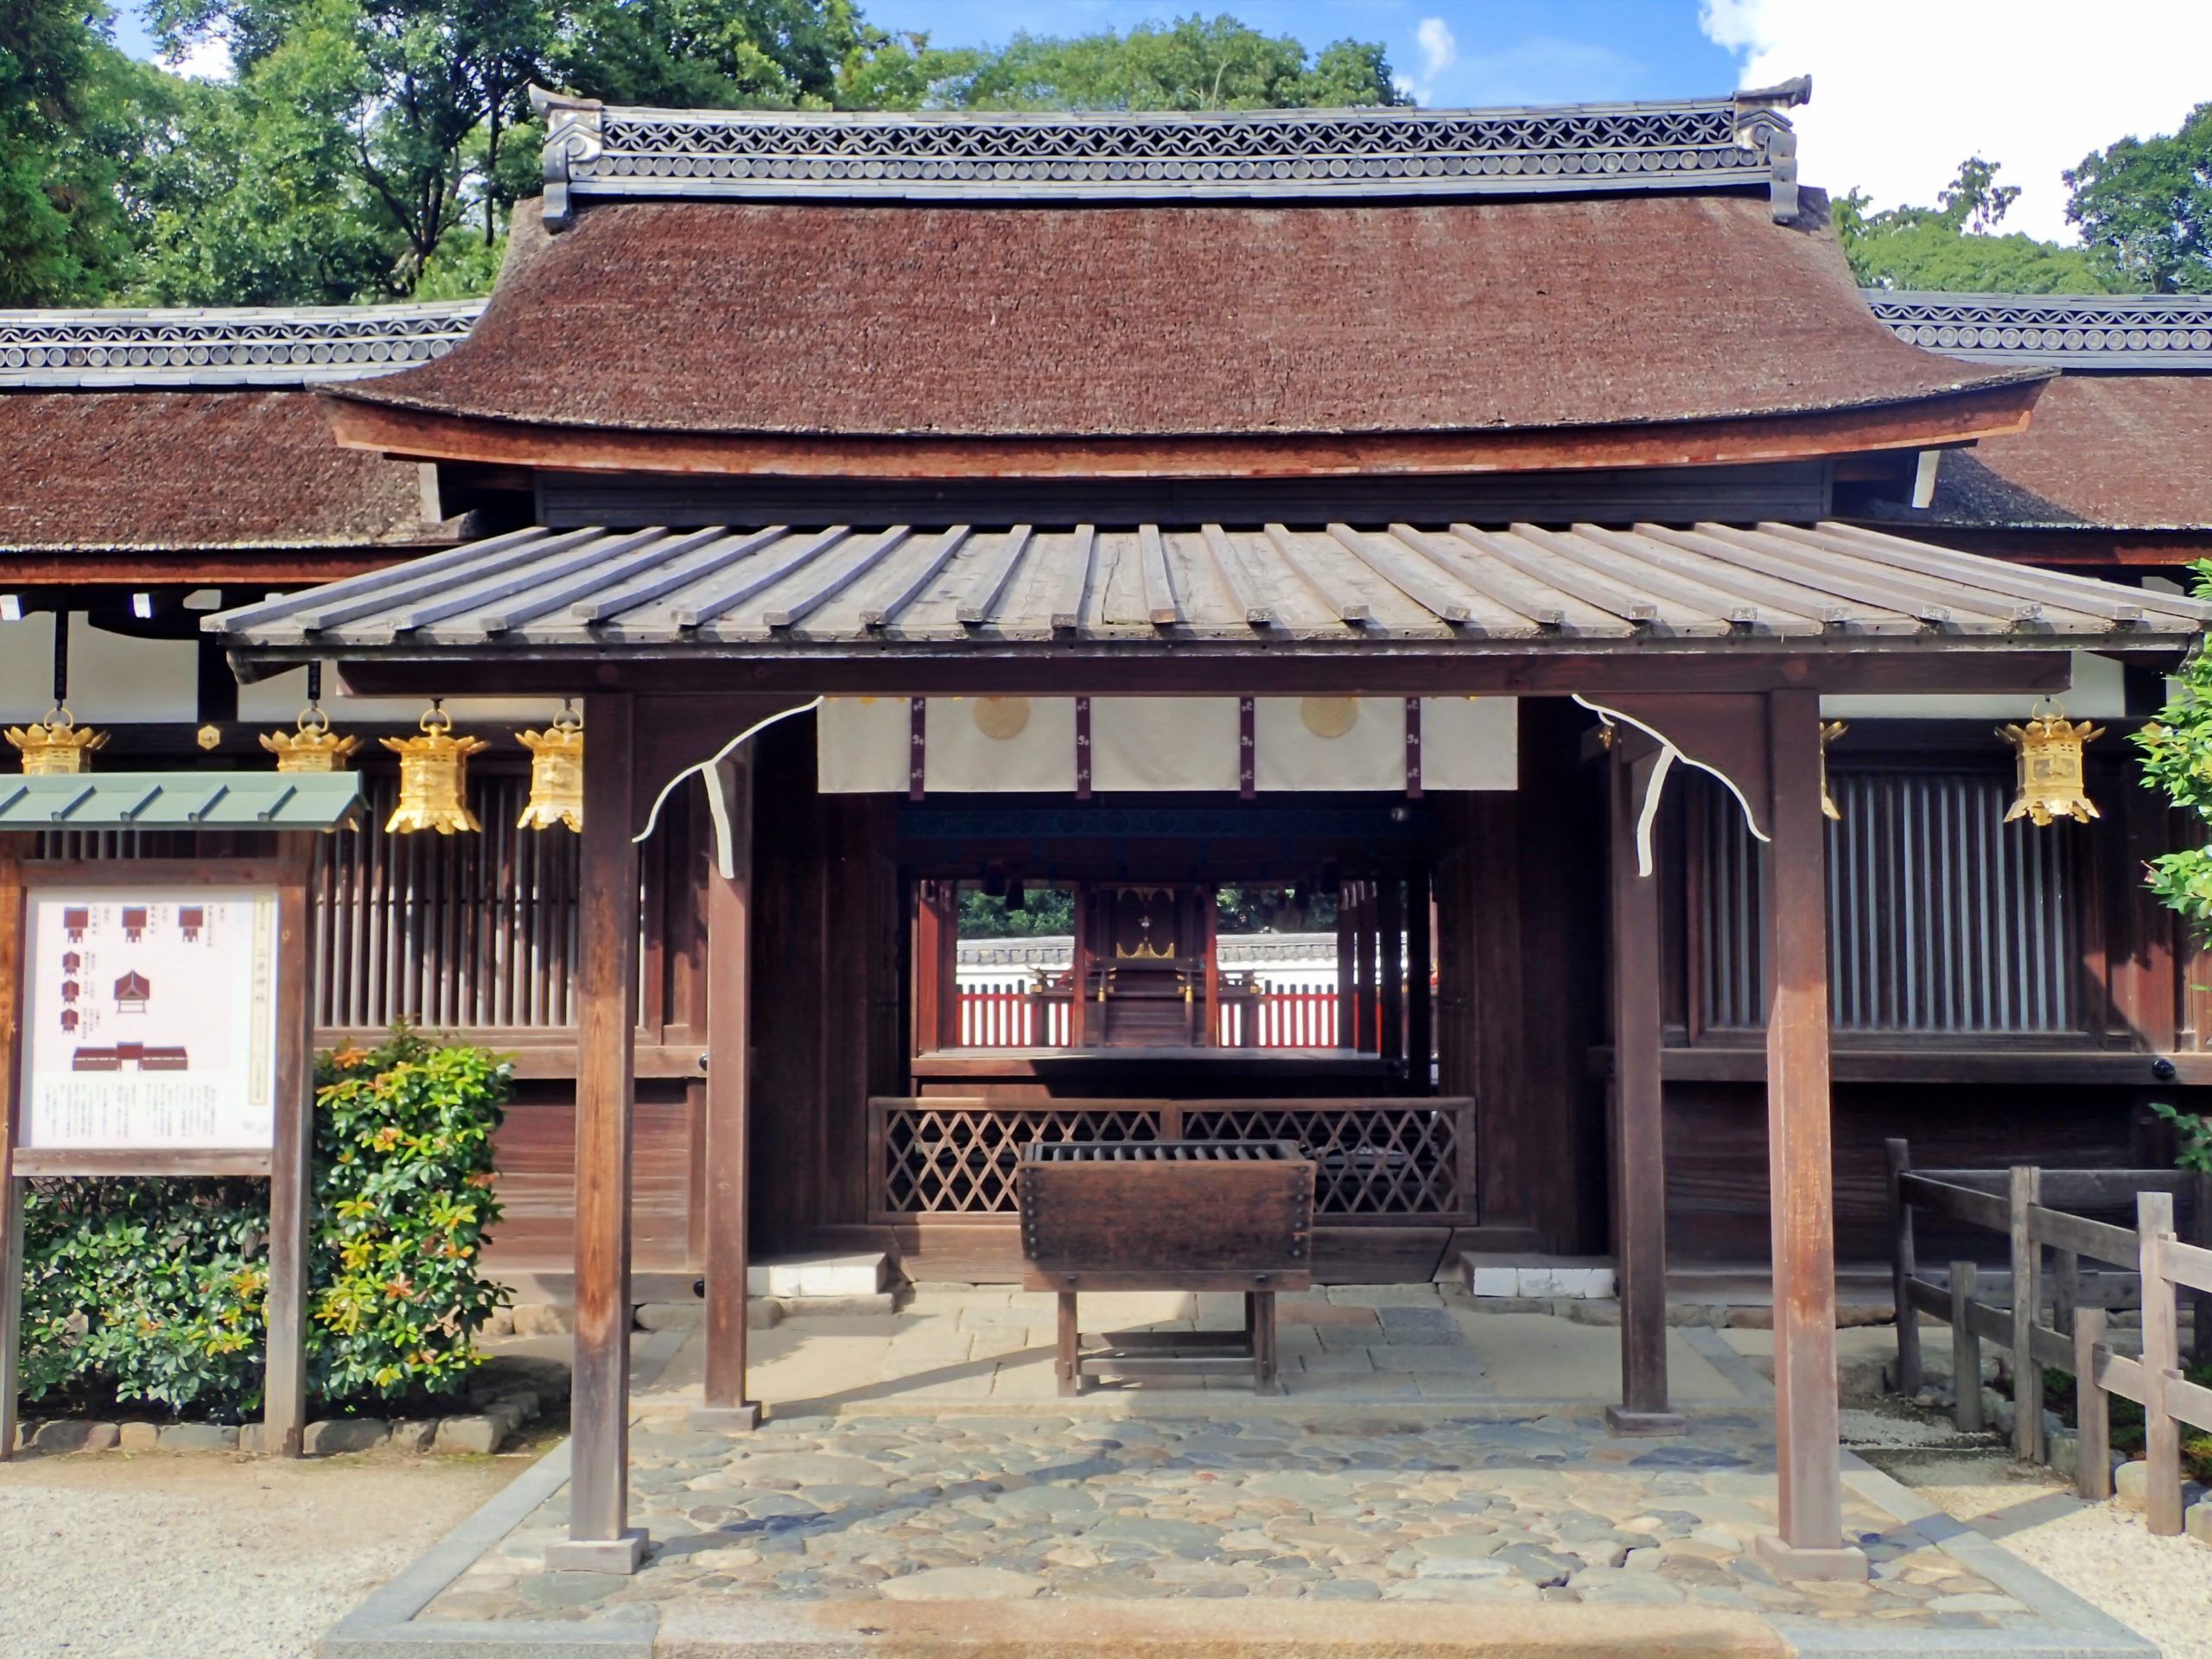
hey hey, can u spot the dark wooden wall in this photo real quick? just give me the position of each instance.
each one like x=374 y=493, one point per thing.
x=1520 y=897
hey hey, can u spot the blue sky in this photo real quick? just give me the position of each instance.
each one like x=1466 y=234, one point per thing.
x=1477 y=51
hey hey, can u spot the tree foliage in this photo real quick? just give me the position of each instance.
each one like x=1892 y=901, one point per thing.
x=74 y=112
x=2146 y=206
x=1955 y=246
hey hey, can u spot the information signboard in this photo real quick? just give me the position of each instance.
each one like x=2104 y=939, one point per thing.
x=149 y=1018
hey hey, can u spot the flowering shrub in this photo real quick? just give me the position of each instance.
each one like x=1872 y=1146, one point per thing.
x=138 y=1289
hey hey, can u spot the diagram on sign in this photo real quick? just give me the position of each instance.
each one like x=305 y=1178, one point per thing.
x=150 y=1018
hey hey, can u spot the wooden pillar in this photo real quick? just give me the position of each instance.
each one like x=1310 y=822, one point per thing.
x=1421 y=1038
x=1391 y=946
x=1079 y=971
x=1904 y=1265
x=601 y=1539
x=1363 y=969
x=1801 y=1173
x=937 y=966
x=1638 y=1102
x=284 y=1397
x=729 y=1070
x=12 y=1188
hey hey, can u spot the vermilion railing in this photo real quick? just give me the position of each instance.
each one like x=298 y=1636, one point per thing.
x=1011 y=1013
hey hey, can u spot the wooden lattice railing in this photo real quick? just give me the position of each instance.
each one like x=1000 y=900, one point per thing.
x=1377 y=1159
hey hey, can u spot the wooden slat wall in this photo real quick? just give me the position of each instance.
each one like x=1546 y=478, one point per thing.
x=1942 y=918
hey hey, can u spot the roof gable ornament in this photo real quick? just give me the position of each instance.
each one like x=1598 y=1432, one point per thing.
x=593 y=149
x=2135 y=333
x=275 y=345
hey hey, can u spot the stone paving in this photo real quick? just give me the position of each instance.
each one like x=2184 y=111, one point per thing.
x=1367 y=1507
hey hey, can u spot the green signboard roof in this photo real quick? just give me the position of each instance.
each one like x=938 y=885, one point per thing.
x=180 y=800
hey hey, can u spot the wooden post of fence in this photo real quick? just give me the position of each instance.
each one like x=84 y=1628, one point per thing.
x=1966 y=1350
x=2154 y=1224
x=2092 y=1410
x=2200 y=1232
x=2066 y=1289
x=1903 y=1264
x=2027 y=1263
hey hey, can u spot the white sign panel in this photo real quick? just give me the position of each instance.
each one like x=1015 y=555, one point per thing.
x=149 y=1018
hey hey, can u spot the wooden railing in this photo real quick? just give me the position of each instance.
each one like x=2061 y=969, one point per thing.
x=2036 y=1212
x=1379 y=1160
x=1019 y=1014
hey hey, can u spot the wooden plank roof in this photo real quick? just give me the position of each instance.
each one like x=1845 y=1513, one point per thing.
x=888 y=590
x=180 y=800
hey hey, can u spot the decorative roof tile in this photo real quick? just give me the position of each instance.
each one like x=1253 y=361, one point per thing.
x=593 y=149
x=292 y=346
x=2134 y=334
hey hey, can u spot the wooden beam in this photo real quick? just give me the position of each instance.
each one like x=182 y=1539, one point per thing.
x=12 y=992
x=600 y=1538
x=1939 y=418
x=982 y=606
x=798 y=607
x=1073 y=594
x=729 y=1058
x=284 y=1401
x=1184 y=668
x=886 y=613
x=1348 y=608
x=1638 y=1109
x=1258 y=613
x=1161 y=607
x=1801 y=1173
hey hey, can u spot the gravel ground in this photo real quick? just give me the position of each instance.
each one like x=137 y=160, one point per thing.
x=220 y=1558
x=2161 y=1587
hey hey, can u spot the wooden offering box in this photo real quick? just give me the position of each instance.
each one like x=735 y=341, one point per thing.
x=1167 y=1215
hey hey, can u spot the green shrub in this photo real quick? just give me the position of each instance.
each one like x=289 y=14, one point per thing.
x=153 y=1290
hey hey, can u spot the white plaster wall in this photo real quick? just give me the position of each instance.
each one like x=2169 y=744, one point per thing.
x=114 y=679
x=2098 y=694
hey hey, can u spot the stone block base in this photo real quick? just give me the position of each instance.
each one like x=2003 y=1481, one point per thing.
x=622 y=1555
x=1788 y=1562
x=724 y=1420
x=1624 y=1424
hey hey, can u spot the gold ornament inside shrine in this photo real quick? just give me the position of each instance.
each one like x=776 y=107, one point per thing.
x=1830 y=730
x=434 y=777
x=2052 y=782
x=313 y=747
x=556 y=773
x=56 y=744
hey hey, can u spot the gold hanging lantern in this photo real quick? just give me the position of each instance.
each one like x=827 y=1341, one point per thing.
x=434 y=777
x=313 y=747
x=1830 y=730
x=2052 y=784
x=556 y=773
x=56 y=744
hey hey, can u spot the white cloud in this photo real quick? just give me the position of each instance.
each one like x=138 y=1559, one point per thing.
x=1439 y=50
x=1905 y=90
x=204 y=59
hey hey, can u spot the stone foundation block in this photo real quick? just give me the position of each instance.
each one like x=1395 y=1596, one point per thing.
x=481 y=1435
x=198 y=1437
x=336 y=1434
x=61 y=1436
x=414 y=1434
x=138 y=1437
x=543 y=1319
x=2197 y=1522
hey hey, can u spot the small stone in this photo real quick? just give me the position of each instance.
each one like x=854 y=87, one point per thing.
x=414 y=1434
x=543 y=1319
x=339 y=1434
x=1445 y=1567
x=1505 y=1589
x=138 y=1437
x=1347 y=1590
x=63 y=1436
x=2130 y=1484
x=964 y=1584
x=2198 y=1523
x=481 y=1435
x=198 y=1437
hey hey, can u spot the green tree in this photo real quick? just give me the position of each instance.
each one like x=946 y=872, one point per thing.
x=68 y=115
x=1195 y=63
x=2147 y=205
x=1955 y=247
x=709 y=54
